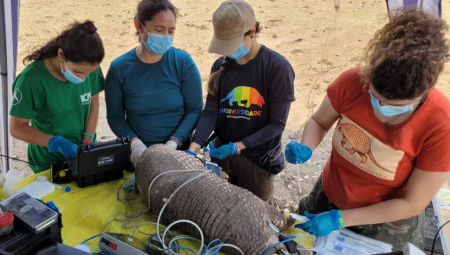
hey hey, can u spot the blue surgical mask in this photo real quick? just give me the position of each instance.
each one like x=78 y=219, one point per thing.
x=240 y=52
x=158 y=44
x=70 y=76
x=389 y=110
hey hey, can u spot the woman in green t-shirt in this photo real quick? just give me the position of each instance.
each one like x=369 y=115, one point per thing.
x=58 y=91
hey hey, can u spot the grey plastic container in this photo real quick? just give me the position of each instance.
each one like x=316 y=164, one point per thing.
x=36 y=215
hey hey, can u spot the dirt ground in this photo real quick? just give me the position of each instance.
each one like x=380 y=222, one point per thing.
x=319 y=43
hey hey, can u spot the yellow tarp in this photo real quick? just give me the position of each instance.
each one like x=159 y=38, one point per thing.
x=85 y=211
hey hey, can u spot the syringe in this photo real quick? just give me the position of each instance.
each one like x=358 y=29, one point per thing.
x=337 y=4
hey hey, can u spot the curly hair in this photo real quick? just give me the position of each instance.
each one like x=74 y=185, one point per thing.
x=406 y=56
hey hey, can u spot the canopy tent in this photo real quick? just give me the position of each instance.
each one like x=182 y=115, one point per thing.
x=9 y=20
x=431 y=6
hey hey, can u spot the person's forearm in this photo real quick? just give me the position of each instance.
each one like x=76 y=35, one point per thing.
x=313 y=134
x=207 y=122
x=187 y=124
x=195 y=147
x=92 y=122
x=278 y=117
x=387 y=211
x=31 y=135
x=263 y=135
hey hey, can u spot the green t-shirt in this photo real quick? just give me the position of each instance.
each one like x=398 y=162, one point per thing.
x=54 y=107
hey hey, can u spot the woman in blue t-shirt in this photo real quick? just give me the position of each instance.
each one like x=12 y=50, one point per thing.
x=249 y=95
x=153 y=92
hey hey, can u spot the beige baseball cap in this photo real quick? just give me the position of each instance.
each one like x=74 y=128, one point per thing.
x=231 y=21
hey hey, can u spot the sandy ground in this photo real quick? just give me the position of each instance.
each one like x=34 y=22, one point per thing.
x=318 y=42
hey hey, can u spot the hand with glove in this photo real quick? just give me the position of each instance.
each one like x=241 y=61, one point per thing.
x=63 y=146
x=137 y=148
x=297 y=153
x=191 y=153
x=224 y=151
x=322 y=224
x=172 y=144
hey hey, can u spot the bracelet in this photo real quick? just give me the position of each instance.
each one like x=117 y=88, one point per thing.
x=89 y=135
x=238 y=150
x=173 y=141
x=341 y=222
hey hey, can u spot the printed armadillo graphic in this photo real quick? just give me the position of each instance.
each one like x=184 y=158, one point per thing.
x=359 y=142
x=245 y=96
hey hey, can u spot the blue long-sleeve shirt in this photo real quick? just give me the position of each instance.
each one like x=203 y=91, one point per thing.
x=153 y=101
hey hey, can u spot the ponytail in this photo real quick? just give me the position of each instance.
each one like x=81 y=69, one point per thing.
x=80 y=43
x=214 y=79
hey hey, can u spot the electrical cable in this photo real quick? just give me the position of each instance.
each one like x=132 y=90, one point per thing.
x=91 y=238
x=275 y=245
x=225 y=245
x=435 y=236
x=180 y=247
x=157 y=249
x=202 y=239
x=179 y=237
x=213 y=241
x=172 y=171
x=185 y=221
x=210 y=243
x=24 y=161
x=174 y=240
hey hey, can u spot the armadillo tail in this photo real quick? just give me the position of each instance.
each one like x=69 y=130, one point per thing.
x=225 y=99
x=376 y=163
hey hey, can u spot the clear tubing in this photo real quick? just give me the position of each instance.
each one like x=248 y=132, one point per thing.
x=337 y=4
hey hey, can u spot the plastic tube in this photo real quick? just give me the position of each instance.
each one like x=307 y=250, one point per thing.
x=168 y=172
x=186 y=221
x=65 y=188
x=337 y=4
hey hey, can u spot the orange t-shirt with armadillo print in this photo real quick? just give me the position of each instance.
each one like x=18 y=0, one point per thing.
x=369 y=163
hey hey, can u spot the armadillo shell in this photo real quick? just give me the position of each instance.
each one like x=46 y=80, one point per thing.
x=223 y=211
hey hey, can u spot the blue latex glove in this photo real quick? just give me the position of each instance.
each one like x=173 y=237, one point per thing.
x=191 y=153
x=223 y=152
x=297 y=153
x=320 y=224
x=63 y=146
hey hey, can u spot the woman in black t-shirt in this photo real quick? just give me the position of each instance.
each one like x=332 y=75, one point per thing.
x=249 y=96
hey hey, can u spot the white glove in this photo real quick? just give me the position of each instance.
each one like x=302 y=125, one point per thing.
x=137 y=148
x=172 y=144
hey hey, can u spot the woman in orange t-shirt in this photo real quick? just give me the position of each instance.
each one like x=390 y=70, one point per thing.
x=391 y=145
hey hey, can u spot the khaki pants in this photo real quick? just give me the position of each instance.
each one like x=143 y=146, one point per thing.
x=397 y=233
x=244 y=173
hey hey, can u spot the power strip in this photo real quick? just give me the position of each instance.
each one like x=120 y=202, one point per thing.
x=117 y=247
